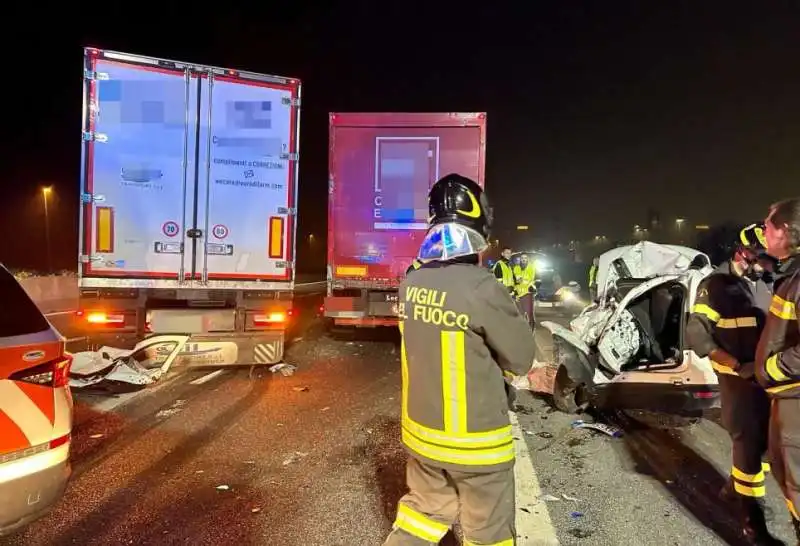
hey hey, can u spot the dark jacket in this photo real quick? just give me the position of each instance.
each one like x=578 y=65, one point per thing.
x=460 y=331
x=729 y=313
x=778 y=354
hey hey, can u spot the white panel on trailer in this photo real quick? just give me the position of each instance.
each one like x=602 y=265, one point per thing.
x=165 y=197
x=246 y=189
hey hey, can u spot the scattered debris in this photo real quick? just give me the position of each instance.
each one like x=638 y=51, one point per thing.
x=294 y=457
x=255 y=510
x=295 y=340
x=300 y=389
x=529 y=432
x=525 y=510
x=223 y=487
x=199 y=471
x=326 y=408
x=174 y=409
x=544 y=434
x=614 y=432
x=569 y=498
x=143 y=365
x=576 y=515
x=285 y=369
x=96 y=436
x=549 y=498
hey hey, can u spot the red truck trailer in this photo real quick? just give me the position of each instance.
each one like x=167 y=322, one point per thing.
x=381 y=167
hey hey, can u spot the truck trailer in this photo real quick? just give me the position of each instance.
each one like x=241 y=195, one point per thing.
x=381 y=167
x=188 y=206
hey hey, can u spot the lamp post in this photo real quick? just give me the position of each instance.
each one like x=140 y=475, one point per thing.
x=46 y=191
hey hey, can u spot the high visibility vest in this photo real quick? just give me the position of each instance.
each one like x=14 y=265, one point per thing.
x=592 y=275
x=508 y=276
x=524 y=278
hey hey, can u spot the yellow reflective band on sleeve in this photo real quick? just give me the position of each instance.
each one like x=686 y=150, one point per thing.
x=706 y=311
x=773 y=369
x=783 y=309
x=740 y=322
x=459 y=456
x=783 y=388
x=507 y=542
x=419 y=525
x=721 y=368
x=765 y=467
x=454 y=383
x=748 y=485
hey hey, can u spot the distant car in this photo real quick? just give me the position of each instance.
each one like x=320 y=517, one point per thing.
x=35 y=409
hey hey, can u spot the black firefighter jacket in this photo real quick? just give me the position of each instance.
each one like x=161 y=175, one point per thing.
x=461 y=331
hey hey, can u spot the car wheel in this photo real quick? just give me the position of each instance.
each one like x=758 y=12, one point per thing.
x=567 y=394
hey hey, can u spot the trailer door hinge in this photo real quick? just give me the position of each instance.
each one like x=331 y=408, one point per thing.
x=294 y=156
x=91 y=198
x=96 y=137
x=290 y=211
x=286 y=101
x=92 y=75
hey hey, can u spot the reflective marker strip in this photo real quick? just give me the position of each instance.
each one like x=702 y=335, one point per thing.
x=104 y=241
x=276 y=237
x=25 y=414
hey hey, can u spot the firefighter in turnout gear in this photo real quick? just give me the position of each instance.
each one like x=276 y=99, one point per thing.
x=778 y=354
x=460 y=332
x=525 y=276
x=503 y=272
x=725 y=324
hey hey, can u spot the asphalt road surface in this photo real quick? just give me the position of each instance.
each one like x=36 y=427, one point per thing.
x=249 y=457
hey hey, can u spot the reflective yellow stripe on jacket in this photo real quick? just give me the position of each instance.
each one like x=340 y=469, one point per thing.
x=727 y=324
x=524 y=278
x=455 y=444
x=783 y=309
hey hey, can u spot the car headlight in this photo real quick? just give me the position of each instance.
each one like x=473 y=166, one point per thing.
x=542 y=264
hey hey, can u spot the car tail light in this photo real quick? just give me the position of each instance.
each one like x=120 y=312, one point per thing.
x=52 y=374
x=58 y=442
x=273 y=318
x=704 y=394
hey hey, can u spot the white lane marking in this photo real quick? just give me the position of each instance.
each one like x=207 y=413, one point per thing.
x=536 y=528
x=206 y=378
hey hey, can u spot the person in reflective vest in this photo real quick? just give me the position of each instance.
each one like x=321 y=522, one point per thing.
x=525 y=277
x=503 y=272
x=725 y=324
x=593 y=278
x=460 y=331
x=778 y=354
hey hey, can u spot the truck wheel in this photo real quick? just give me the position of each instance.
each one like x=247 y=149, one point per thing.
x=567 y=394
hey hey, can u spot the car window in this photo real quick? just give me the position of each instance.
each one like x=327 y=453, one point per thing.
x=20 y=315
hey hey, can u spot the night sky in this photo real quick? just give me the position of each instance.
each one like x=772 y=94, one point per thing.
x=597 y=111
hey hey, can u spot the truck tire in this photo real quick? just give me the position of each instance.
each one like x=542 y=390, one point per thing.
x=567 y=396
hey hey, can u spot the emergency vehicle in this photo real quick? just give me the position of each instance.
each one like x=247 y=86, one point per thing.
x=188 y=215
x=35 y=409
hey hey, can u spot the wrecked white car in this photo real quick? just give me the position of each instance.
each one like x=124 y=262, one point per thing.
x=626 y=350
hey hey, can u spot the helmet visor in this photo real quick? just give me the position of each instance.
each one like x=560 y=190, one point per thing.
x=448 y=241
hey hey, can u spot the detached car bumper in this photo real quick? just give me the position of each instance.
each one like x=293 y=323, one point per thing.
x=682 y=400
x=30 y=496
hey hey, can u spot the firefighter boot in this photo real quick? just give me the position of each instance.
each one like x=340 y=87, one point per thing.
x=728 y=495
x=754 y=526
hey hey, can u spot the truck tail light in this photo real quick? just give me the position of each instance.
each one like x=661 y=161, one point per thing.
x=273 y=318
x=52 y=374
x=101 y=318
x=704 y=394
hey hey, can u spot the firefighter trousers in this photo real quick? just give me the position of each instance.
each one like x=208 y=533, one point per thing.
x=745 y=415
x=526 y=307
x=784 y=451
x=483 y=503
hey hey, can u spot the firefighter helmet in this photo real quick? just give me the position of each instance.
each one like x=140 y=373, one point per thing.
x=751 y=239
x=457 y=199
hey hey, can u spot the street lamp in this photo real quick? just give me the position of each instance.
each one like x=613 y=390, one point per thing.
x=46 y=191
